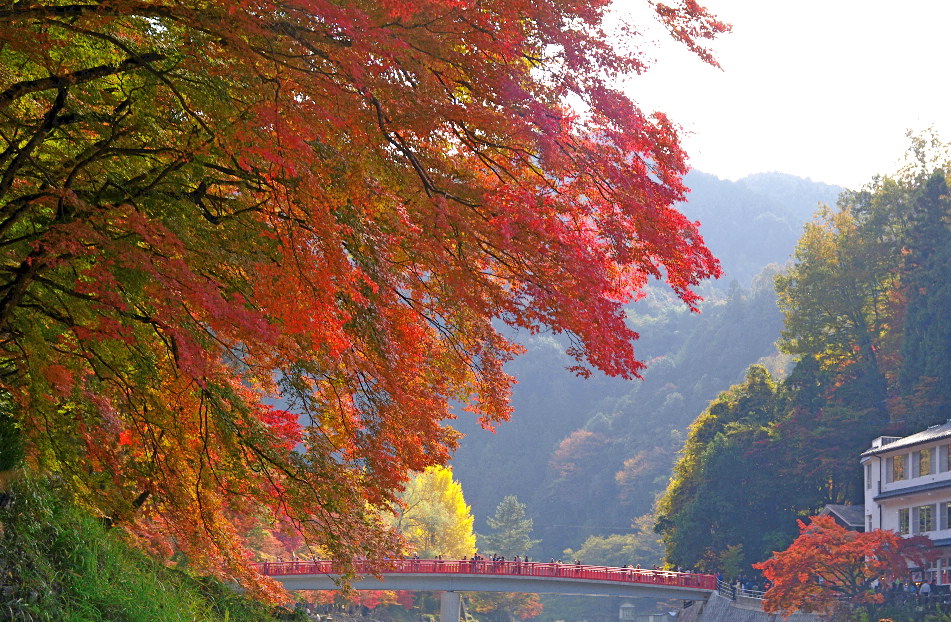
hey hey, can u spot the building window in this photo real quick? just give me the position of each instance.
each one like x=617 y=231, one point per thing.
x=868 y=476
x=923 y=463
x=895 y=468
x=868 y=523
x=923 y=515
x=946 y=570
x=903 y=522
x=945 y=519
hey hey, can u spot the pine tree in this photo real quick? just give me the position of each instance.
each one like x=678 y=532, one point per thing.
x=511 y=537
x=512 y=530
x=926 y=356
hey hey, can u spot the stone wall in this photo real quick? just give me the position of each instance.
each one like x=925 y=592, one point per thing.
x=721 y=609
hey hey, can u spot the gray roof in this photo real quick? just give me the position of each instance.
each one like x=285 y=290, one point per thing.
x=934 y=433
x=852 y=515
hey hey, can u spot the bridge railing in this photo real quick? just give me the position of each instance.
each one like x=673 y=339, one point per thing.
x=489 y=567
x=732 y=591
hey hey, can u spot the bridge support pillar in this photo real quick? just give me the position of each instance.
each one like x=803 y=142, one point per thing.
x=449 y=607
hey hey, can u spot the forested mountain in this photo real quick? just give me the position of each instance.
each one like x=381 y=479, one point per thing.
x=587 y=456
x=865 y=309
x=754 y=221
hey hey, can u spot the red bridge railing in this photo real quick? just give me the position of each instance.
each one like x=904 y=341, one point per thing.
x=488 y=567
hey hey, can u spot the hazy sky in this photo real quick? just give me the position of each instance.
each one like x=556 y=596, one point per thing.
x=823 y=89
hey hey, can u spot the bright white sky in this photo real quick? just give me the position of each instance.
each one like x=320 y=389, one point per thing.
x=823 y=89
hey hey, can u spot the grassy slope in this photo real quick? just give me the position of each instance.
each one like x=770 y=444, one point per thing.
x=59 y=564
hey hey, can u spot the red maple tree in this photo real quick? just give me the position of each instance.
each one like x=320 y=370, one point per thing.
x=829 y=567
x=209 y=206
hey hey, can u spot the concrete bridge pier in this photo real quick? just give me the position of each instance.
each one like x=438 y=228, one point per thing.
x=449 y=606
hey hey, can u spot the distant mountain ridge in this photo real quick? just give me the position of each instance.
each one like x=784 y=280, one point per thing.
x=773 y=206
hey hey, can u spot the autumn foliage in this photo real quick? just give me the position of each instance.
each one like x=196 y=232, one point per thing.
x=209 y=209
x=434 y=518
x=506 y=606
x=828 y=566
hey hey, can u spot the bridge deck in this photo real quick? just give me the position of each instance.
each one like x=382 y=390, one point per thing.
x=490 y=576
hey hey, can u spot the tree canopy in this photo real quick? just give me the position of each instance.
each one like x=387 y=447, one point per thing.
x=829 y=566
x=725 y=491
x=434 y=518
x=641 y=547
x=209 y=206
x=511 y=530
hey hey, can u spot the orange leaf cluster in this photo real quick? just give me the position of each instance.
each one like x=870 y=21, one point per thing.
x=829 y=567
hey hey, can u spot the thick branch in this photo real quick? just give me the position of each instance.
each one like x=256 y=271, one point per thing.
x=77 y=77
x=38 y=136
x=34 y=12
x=13 y=292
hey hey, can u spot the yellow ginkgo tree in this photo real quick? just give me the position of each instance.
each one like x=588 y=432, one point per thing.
x=435 y=519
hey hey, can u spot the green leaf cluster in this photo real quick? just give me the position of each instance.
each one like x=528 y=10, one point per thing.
x=641 y=547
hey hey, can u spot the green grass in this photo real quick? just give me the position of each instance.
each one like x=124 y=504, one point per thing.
x=59 y=564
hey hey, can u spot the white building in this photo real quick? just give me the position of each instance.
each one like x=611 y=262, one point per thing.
x=908 y=489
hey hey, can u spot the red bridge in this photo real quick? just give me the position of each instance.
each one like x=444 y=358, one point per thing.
x=452 y=576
